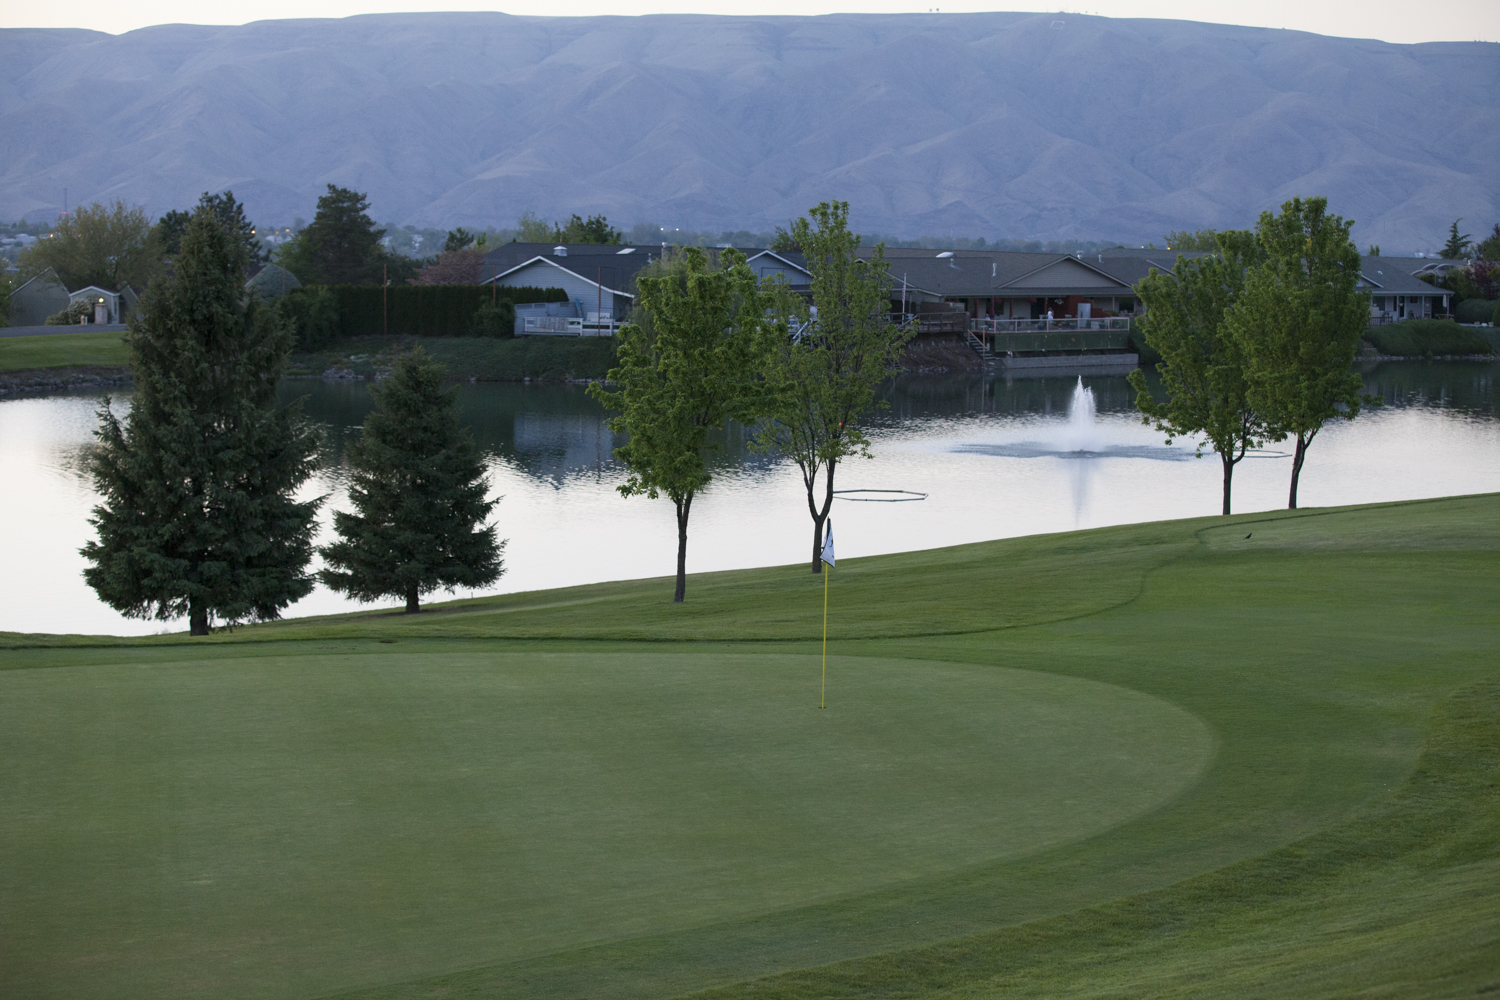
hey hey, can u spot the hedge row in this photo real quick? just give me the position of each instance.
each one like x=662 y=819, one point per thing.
x=1476 y=310
x=1426 y=338
x=431 y=310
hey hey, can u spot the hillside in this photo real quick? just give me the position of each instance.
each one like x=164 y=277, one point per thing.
x=1010 y=125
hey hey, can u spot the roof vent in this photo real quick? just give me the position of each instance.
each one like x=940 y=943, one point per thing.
x=559 y=251
x=945 y=253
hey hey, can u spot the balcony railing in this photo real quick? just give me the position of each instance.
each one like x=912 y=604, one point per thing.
x=565 y=326
x=1070 y=325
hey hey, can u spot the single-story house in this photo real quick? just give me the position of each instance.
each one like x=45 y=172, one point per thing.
x=599 y=280
x=108 y=306
x=1396 y=293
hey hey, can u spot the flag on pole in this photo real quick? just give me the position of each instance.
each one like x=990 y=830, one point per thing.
x=828 y=544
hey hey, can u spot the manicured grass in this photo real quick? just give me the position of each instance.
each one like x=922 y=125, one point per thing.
x=484 y=358
x=59 y=350
x=1149 y=760
x=1427 y=338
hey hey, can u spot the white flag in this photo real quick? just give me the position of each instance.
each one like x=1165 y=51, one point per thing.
x=828 y=543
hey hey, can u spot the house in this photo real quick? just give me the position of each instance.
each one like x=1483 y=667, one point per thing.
x=1396 y=293
x=599 y=280
x=42 y=296
x=108 y=307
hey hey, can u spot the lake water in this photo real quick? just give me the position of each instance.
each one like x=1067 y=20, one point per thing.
x=997 y=458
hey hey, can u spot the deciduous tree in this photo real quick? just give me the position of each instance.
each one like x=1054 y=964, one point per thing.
x=1299 y=321
x=1203 y=365
x=418 y=489
x=820 y=382
x=198 y=516
x=681 y=375
x=106 y=247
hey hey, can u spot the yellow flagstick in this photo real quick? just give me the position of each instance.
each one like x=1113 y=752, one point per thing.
x=823 y=693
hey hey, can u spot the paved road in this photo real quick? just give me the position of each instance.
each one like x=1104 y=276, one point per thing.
x=44 y=331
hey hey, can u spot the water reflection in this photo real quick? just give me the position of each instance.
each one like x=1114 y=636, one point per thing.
x=997 y=457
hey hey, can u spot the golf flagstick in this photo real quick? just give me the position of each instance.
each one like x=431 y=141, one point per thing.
x=827 y=557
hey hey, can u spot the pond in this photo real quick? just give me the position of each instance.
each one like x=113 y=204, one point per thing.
x=996 y=458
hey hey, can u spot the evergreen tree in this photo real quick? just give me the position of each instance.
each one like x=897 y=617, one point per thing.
x=1457 y=246
x=170 y=227
x=198 y=517
x=418 y=490
x=342 y=245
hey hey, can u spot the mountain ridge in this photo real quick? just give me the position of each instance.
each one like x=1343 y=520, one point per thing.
x=993 y=124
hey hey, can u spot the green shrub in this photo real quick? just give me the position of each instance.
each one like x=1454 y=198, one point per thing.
x=75 y=313
x=494 y=319
x=314 y=315
x=1495 y=316
x=1426 y=338
x=1475 y=310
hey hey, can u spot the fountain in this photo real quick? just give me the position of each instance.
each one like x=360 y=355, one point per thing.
x=1080 y=433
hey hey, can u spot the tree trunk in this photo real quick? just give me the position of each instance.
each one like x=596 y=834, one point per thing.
x=1298 y=457
x=197 y=618
x=684 y=506
x=411 y=600
x=1228 y=463
x=819 y=517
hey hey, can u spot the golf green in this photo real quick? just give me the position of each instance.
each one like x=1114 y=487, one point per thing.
x=331 y=820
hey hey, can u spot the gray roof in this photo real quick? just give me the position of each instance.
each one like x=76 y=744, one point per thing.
x=1392 y=276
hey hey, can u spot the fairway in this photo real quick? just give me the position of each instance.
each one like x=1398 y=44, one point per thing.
x=1160 y=759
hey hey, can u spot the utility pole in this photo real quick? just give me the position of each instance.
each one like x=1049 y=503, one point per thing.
x=385 y=309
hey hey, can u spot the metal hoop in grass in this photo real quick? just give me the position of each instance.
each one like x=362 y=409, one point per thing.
x=905 y=496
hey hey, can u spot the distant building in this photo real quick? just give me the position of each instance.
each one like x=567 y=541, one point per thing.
x=33 y=302
x=271 y=282
x=106 y=306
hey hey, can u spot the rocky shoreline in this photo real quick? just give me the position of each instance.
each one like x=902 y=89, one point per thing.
x=28 y=380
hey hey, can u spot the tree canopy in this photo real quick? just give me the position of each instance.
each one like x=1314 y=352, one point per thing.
x=198 y=516
x=594 y=229
x=820 y=381
x=681 y=374
x=1186 y=241
x=1203 y=366
x=418 y=489
x=341 y=246
x=1299 y=321
x=230 y=214
x=106 y=247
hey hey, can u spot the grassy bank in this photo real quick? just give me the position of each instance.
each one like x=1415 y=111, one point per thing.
x=1427 y=338
x=63 y=350
x=487 y=359
x=1163 y=759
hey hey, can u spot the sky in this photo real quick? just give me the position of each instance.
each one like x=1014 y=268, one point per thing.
x=1388 y=20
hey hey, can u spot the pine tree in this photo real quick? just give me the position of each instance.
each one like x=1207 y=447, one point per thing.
x=198 y=517
x=418 y=489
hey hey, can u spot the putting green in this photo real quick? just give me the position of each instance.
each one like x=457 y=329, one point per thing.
x=280 y=824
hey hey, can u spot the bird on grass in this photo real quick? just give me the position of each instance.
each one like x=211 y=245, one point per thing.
x=1247 y=537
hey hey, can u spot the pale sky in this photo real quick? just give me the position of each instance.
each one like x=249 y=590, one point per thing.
x=1389 y=20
